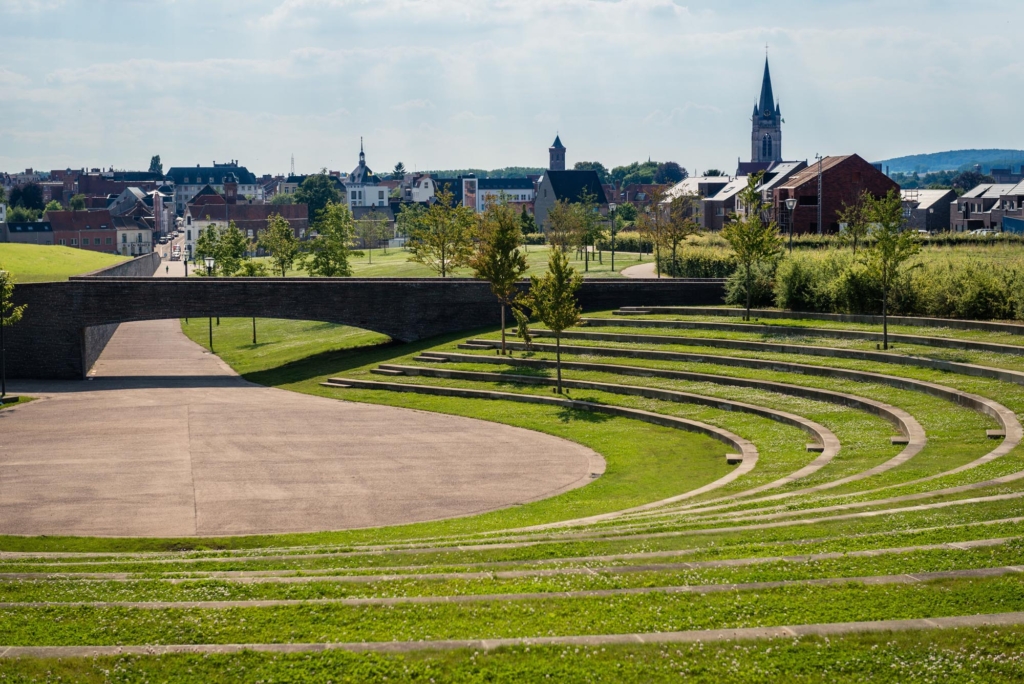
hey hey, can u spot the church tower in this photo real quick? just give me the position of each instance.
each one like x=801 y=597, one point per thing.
x=766 y=139
x=556 y=155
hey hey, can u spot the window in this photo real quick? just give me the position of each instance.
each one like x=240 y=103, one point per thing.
x=138 y=237
x=61 y=242
x=74 y=242
x=380 y=195
x=85 y=242
x=766 y=147
x=124 y=238
x=809 y=201
x=188 y=234
x=110 y=241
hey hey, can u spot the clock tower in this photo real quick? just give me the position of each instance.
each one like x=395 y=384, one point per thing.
x=766 y=138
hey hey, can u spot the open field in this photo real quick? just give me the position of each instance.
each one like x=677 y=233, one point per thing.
x=871 y=525
x=395 y=264
x=42 y=263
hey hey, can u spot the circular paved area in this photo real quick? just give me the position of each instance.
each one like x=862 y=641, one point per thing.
x=165 y=440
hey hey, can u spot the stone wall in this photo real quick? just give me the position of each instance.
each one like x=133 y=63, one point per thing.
x=51 y=340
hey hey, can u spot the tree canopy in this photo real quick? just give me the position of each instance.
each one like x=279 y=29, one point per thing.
x=316 y=192
x=669 y=173
x=398 y=173
x=77 y=202
x=602 y=172
x=155 y=165
x=328 y=252
x=280 y=241
x=755 y=240
x=442 y=236
x=28 y=196
x=498 y=259
x=552 y=299
x=892 y=248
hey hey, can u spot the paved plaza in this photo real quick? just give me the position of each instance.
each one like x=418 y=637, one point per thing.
x=165 y=440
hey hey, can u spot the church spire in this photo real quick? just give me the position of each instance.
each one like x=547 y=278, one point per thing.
x=767 y=97
x=362 y=155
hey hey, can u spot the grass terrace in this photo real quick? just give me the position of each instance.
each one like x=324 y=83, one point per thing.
x=45 y=263
x=872 y=530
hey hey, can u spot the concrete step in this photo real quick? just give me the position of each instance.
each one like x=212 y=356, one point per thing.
x=817 y=448
x=386 y=371
x=430 y=359
x=995 y=434
x=899 y=439
x=733 y=459
x=472 y=345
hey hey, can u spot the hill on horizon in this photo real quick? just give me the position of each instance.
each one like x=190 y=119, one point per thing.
x=954 y=160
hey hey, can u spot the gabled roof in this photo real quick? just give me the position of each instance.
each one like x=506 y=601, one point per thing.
x=925 y=198
x=779 y=172
x=977 y=191
x=730 y=190
x=202 y=174
x=569 y=185
x=811 y=172
x=69 y=221
x=30 y=227
x=694 y=185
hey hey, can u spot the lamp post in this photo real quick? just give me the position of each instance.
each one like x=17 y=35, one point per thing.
x=611 y=212
x=820 y=227
x=3 y=350
x=791 y=205
x=209 y=271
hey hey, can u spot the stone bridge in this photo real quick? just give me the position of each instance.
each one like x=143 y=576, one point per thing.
x=67 y=324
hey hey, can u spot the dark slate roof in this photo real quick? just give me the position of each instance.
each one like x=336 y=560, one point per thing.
x=767 y=97
x=558 y=143
x=201 y=174
x=363 y=174
x=504 y=184
x=359 y=213
x=569 y=185
x=30 y=227
x=454 y=186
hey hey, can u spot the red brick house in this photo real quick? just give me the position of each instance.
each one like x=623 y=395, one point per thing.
x=92 y=230
x=843 y=180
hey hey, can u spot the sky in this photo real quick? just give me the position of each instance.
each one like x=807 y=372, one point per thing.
x=441 y=84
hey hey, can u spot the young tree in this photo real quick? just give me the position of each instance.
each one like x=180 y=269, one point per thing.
x=442 y=238
x=279 y=239
x=553 y=300
x=370 y=230
x=651 y=225
x=591 y=225
x=893 y=247
x=77 y=202
x=562 y=225
x=626 y=212
x=855 y=221
x=208 y=245
x=680 y=224
x=399 y=171
x=282 y=198
x=498 y=259
x=22 y=215
x=527 y=224
x=9 y=315
x=409 y=216
x=53 y=205
x=328 y=253
x=232 y=250
x=316 y=191
x=754 y=239
x=155 y=165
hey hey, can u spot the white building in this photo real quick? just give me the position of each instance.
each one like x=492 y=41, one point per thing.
x=363 y=188
x=189 y=181
x=134 y=236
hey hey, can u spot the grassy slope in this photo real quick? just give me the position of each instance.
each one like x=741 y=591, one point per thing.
x=41 y=263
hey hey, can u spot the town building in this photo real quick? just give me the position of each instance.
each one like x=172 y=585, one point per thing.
x=556 y=155
x=27 y=233
x=92 y=230
x=477 y=192
x=841 y=180
x=927 y=209
x=188 y=181
x=134 y=236
x=716 y=210
x=363 y=187
x=987 y=206
x=566 y=186
x=251 y=219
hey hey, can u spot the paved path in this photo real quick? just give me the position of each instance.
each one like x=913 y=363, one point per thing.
x=165 y=440
x=644 y=270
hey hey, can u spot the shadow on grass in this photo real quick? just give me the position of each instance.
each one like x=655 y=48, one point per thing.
x=571 y=414
x=342 y=360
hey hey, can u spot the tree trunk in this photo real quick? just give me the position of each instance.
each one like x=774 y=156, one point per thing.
x=885 y=317
x=586 y=258
x=748 y=293
x=503 y=328
x=254 y=330
x=558 y=361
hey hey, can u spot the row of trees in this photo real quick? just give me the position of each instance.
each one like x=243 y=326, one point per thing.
x=755 y=239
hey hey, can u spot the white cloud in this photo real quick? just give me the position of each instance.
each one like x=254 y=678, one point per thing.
x=410 y=105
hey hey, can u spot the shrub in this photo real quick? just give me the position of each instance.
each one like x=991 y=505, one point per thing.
x=699 y=262
x=763 y=290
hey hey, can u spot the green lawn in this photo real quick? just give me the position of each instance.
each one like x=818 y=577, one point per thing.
x=43 y=263
x=395 y=264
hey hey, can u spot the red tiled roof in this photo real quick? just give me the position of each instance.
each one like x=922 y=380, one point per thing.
x=64 y=221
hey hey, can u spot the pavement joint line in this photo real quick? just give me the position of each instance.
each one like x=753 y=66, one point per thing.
x=693 y=636
x=246 y=578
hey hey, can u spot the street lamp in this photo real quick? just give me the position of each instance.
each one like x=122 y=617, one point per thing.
x=209 y=271
x=615 y=220
x=791 y=205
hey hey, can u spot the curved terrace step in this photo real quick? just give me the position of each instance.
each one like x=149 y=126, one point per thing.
x=919 y=321
x=791 y=331
x=748 y=454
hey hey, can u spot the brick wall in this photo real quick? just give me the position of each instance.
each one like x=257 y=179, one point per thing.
x=51 y=340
